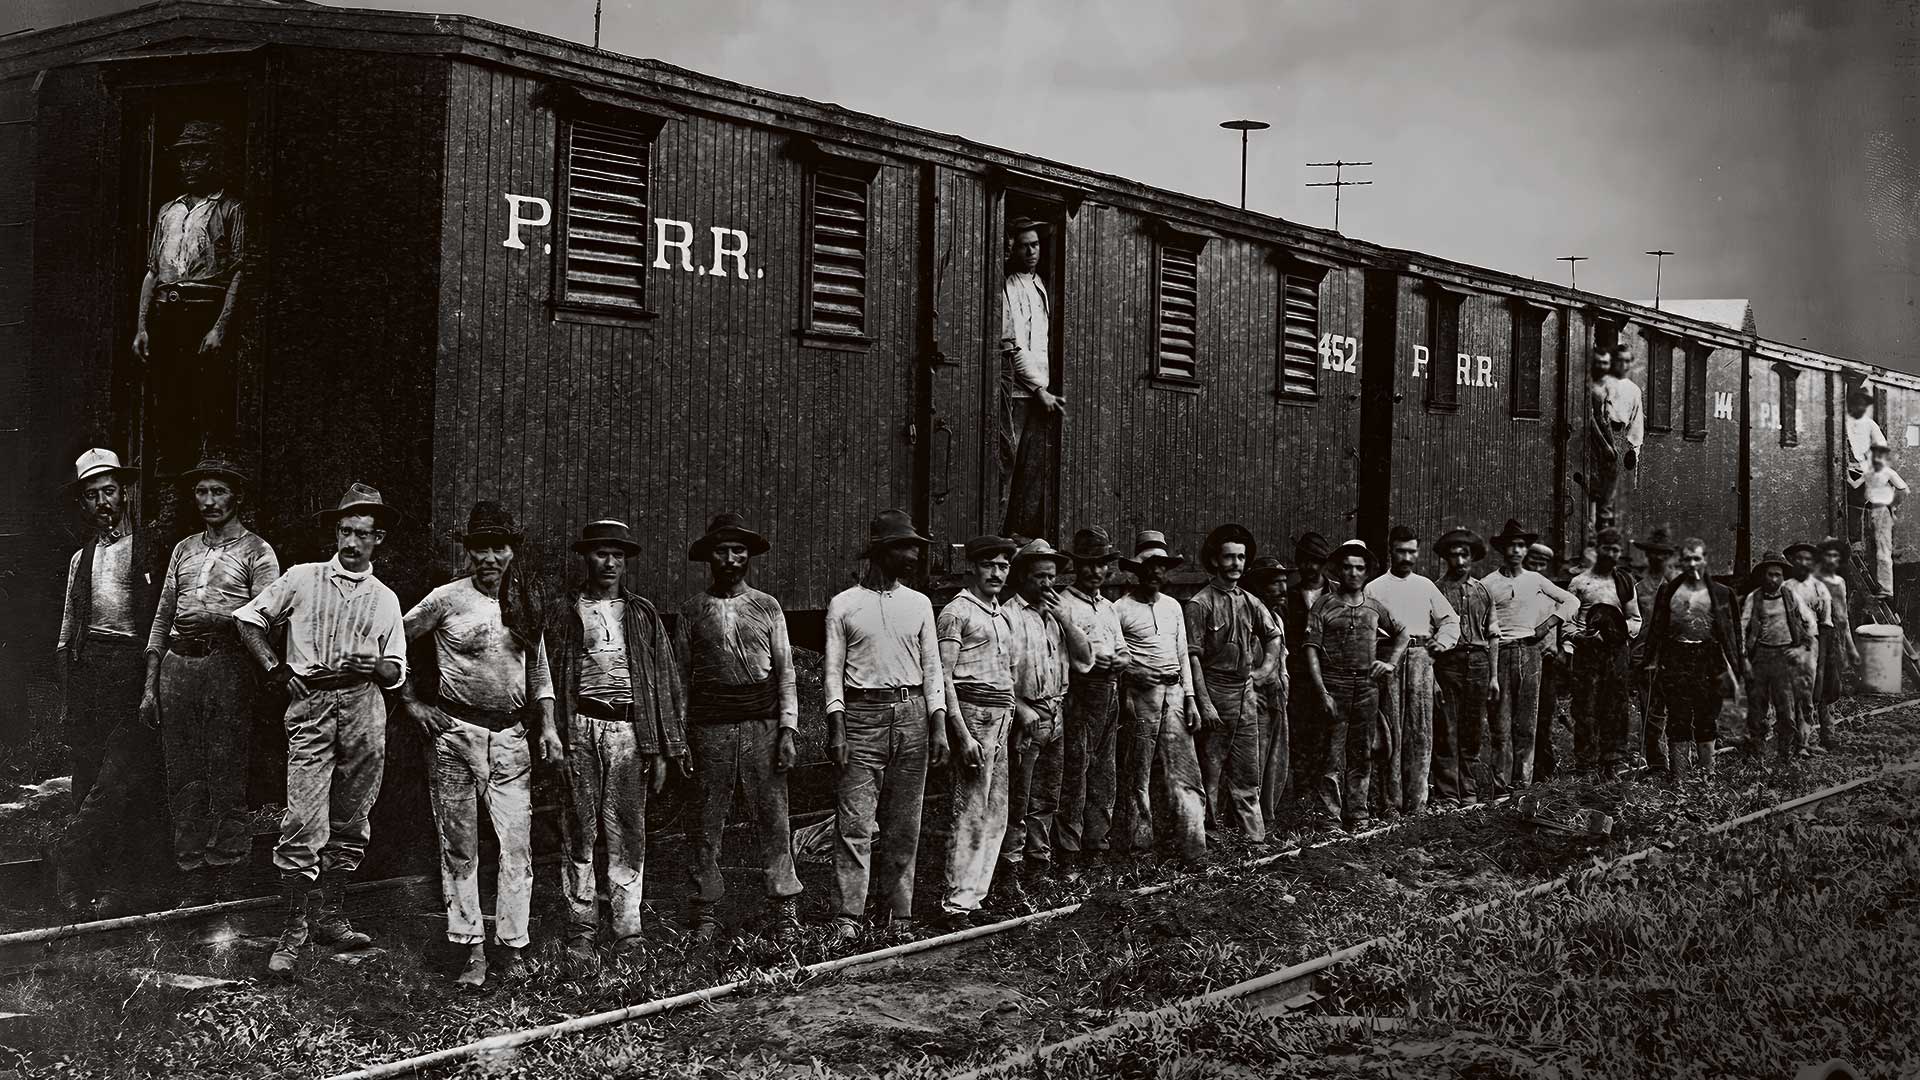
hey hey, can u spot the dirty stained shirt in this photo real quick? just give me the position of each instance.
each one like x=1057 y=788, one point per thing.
x=1097 y=620
x=1024 y=333
x=1524 y=601
x=330 y=613
x=1039 y=652
x=206 y=582
x=113 y=589
x=1346 y=629
x=1156 y=634
x=878 y=639
x=198 y=241
x=739 y=639
x=984 y=635
x=1228 y=629
x=603 y=673
x=481 y=665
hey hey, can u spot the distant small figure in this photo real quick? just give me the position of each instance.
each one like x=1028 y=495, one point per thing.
x=1843 y=655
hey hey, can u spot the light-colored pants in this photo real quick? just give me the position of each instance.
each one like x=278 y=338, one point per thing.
x=1155 y=726
x=880 y=791
x=1090 y=771
x=609 y=783
x=336 y=754
x=979 y=809
x=1407 y=765
x=475 y=769
x=206 y=735
x=732 y=756
x=1033 y=787
x=1230 y=762
x=1880 y=545
x=1512 y=731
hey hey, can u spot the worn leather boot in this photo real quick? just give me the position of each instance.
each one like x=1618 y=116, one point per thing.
x=1704 y=751
x=785 y=919
x=1677 y=756
x=330 y=925
x=702 y=925
x=297 y=892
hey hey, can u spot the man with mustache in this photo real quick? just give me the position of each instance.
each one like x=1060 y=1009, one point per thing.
x=1653 y=708
x=1599 y=661
x=886 y=723
x=345 y=644
x=1266 y=578
x=1778 y=634
x=742 y=715
x=1802 y=580
x=1465 y=673
x=1160 y=714
x=1691 y=645
x=1405 y=762
x=1091 y=769
x=1306 y=727
x=1045 y=647
x=1227 y=628
x=490 y=717
x=1842 y=654
x=1347 y=633
x=976 y=653
x=1529 y=611
x=201 y=684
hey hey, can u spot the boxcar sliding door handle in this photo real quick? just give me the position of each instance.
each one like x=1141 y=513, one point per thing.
x=943 y=429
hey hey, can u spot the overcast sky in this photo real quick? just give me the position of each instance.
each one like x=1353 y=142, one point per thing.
x=1773 y=144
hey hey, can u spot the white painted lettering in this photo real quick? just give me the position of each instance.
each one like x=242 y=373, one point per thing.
x=1723 y=405
x=515 y=219
x=1420 y=358
x=685 y=243
x=1462 y=369
x=1483 y=376
x=721 y=252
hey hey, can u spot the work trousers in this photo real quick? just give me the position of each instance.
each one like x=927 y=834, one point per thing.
x=1688 y=682
x=1649 y=695
x=1156 y=728
x=1778 y=671
x=1556 y=676
x=206 y=733
x=115 y=829
x=739 y=756
x=1805 y=707
x=1231 y=764
x=1353 y=731
x=336 y=754
x=1405 y=759
x=1033 y=788
x=1599 y=672
x=1306 y=728
x=1880 y=546
x=474 y=771
x=1275 y=746
x=1089 y=769
x=1027 y=473
x=608 y=781
x=1464 y=674
x=104 y=684
x=879 y=790
x=979 y=808
x=1518 y=717
x=191 y=394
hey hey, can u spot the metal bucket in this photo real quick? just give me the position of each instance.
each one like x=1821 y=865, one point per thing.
x=1880 y=650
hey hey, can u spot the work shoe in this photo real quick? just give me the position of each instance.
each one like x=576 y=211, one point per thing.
x=845 y=930
x=702 y=926
x=330 y=925
x=784 y=919
x=1703 y=755
x=474 y=975
x=296 y=894
x=1006 y=882
x=1677 y=762
x=512 y=965
x=581 y=958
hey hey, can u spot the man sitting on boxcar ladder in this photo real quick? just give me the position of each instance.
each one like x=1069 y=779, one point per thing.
x=1615 y=428
x=195 y=266
x=1863 y=434
x=1027 y=407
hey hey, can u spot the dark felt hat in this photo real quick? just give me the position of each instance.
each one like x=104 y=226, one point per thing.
x=1461 y=535
x=1656 y=543
x=1608 y=535
x=1772 y=558
x=1150 y=547
x=1512 y=531
x=892 y=526
x=200 y=133
x=986 y=547
x=215 y=469
x=361 y=499
x=726 y=526
x=1799 y=546
x=1034 y=550
x=1311 y=547
x=1834 y=543
x=1265 y=568
x=489 y=523
x=1860 y=395
x=606 y=531
x=1230 y=533
x=1023 y=223
x=1092 y=544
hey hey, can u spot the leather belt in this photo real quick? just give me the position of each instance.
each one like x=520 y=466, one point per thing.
x=1423 y=642
x=596 y=709
x=893 y=694
x=197 y=647
x=189 y=294
x=334 y=680
x=1154 y=678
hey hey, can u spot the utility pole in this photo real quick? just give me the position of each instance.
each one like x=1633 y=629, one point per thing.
x=596 y=23
x=1337 y=183
x=1658 y=258
x=1244 y=126
x=1573 y=266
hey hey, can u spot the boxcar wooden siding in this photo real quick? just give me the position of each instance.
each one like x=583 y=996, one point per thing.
x=1788 y=483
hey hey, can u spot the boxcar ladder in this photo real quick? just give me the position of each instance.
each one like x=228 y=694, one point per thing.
x=1877 y=605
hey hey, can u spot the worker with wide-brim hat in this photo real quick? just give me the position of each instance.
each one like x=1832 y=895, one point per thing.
x=1090 y=768
x=1469 y=688
x=1150 y=549
x=1779 y=634
x=1529 y=610
x=1345 y=669
x=1160 y=709
x=1234 y=643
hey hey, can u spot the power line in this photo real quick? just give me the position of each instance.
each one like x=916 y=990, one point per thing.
x=1337 y=183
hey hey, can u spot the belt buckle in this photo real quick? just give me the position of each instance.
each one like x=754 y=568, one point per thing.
x=900 y=694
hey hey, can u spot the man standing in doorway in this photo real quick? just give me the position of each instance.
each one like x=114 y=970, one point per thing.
x=1606 y=595
x=1529 y=611
x=886 y=723
x=1045 y=648
x=976 y=652
x=345 y=644
x=1690 y=652
x=1235 y=645
x=1346 y=635
x=1407 y=757
x=1465 y=673
x=1616 y=427
x=1028 y=408
x=196 y=266
x=1160 y=715
x=1653 y=708
x=1090 y=773
x=201 y=684
x=1863 y=434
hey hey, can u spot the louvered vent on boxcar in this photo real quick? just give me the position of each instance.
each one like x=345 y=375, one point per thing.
x=839 y=254
x=1299 y=348
x=1660 y=385
x=1179 y=313
x=606 y=215
x=1696 y=400
x=1527 y=322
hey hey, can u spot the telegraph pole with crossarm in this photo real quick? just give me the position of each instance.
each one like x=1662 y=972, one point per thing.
x=1337 y=183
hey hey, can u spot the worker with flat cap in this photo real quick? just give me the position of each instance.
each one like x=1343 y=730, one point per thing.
x=976 y=653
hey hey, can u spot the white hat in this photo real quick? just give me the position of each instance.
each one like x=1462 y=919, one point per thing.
x=95 y=462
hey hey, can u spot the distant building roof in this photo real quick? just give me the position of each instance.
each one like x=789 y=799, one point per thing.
x=1732 y=314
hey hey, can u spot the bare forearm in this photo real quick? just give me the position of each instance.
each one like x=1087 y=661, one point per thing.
x=146 y=301
x=227 y=305
x=255 y=639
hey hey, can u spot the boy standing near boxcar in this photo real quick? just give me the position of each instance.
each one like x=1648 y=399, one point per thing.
x=1814 y=593
x=976 y=653
x=1407 y=758
x=1845 y=655
x=1045 y=647
x=742 y=716
x=1778 y=634
x=1529 y=611
x=1160 y=714
x=1345 y=635
x=1090 y=772
x=1465 y=673
x=1235 y=645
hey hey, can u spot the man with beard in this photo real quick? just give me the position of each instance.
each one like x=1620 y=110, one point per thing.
x=201 y=684
x=1027 y=406
x=1091 y=769
x=1778 y=634
x=1160 y=714
x=492 y=664
x=1599 y=661
x=1844 y=655
x=976 y=652
x=742 y=716
x=619 y=705
x=1465 y=673
x=886 y=723
x=1345 y=634
x=196 y=267
x=1529 y=611
x=1406 y=754
x=1690 y=652
x=1653 y=708
x=1227 y=629
x=1306 y=727
x=1267 y=578
x=345 y=644
x=1801 y=581
x=115 y=757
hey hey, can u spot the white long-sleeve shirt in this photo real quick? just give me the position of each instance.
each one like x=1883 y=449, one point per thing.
x=1622 y=400
x=878 y=639
x=1862 y=435
x=1417 y=603
x=1025 y=313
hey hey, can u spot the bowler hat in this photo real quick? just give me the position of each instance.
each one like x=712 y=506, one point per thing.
x=1860 y=394
x=1311 y=547
x=1034 y=550
x=361 y=499
x=892 y=526
x=1799 y=546
x=603 y=532
x=726 y=526
x=1023 y=224
x=1461 y=535
x=1353 y=547
x=1265 y=568
x=215 y=469
x=1230 y=533
x=1150 y=548
x=96 y=462
x=200 y=133
x=1656 y=543
x=1772 y=558
x=1512 y=531
x=1092 y=544
x=488 y=523
x=986 y=547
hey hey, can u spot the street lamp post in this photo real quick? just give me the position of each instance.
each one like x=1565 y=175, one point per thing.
x=1243 y=127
